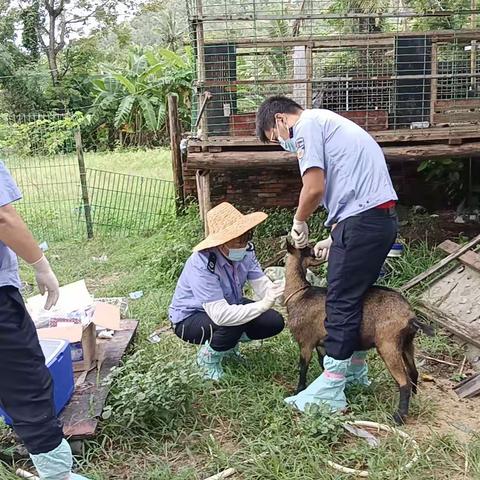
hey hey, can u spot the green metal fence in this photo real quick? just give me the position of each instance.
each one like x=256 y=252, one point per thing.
x=64 y=199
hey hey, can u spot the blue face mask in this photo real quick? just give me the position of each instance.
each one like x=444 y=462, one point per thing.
x=288 y=145
x=237 y=254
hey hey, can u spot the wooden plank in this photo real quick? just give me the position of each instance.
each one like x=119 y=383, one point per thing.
x=81 y=416
x=470 y=258
x=420 y=152
x=175 y=139
x=451 y=324
x=383 y=137
x=442 y=263
x=468 y=388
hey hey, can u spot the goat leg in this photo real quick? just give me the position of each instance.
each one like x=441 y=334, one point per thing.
x=401 y=414
x=392 y=356
x=409 y=359
x=303 y=369
x=320 y=356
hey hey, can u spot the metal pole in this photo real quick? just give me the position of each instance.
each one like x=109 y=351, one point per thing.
x=83 y=183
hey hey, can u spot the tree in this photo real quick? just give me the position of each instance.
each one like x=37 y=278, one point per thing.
x=56 y=22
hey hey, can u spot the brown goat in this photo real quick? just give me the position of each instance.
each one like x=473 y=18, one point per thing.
x=389 y=324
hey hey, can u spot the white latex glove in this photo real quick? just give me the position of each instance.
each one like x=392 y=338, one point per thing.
x=46 y=281
x=273 y=294
x=322 y=248
x=299 y=233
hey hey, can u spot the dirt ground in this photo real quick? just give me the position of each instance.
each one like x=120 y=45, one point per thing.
x=451 y=415
x=435 y=228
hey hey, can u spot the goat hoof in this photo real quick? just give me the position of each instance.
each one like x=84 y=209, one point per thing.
x=399 y=419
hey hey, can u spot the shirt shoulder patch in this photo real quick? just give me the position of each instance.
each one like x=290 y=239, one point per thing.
x=300 y=144
x=212 y=261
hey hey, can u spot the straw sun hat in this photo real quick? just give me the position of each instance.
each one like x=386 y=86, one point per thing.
x=226 y=223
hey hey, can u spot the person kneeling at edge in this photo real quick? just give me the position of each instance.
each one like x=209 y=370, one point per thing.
x=208 y=307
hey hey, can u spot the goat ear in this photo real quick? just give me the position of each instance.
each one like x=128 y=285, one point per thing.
x=290 y=246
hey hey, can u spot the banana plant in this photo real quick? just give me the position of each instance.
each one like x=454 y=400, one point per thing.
x=135 y=98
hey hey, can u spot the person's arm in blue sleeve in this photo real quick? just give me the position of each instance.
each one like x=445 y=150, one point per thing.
x=16 y=235
x=310 y=151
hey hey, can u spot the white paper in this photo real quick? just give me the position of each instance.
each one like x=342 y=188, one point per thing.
x=73 y=297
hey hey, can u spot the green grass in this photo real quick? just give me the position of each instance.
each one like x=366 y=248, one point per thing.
x=147 y=163
x=164 y=422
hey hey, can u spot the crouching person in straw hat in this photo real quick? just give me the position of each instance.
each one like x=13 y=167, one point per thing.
x=208 y=307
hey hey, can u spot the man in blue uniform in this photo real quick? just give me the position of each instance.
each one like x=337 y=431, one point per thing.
x=26 y=390
x=344 y=169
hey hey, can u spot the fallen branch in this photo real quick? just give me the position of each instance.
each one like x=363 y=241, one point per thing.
x=225 y=474
x=444 y=362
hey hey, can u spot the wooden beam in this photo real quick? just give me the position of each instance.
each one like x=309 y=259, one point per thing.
x=175 y=139
x=343 y=41
x=442 y=263
x=203 y=194
x=233 y=160
x=451 y=324
x=281 y=159
x=469 y=259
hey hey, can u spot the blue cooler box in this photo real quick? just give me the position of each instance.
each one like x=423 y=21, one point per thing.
x=59 y=362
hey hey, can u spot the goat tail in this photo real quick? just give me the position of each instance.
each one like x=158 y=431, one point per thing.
x=427 y=330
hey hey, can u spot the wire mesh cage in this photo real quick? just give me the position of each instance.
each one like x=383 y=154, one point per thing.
x=385 y=64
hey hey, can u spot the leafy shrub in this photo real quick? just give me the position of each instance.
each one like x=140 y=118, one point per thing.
x=148 y=392
x=46 y=136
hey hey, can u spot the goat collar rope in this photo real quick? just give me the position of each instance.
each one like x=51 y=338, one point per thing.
x=295 y=292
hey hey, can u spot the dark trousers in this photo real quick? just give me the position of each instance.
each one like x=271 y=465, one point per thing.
x=198 y=328
x=360 y=246
x=26 y=387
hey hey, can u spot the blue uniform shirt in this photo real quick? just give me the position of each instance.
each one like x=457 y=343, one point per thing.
x=208 y=277
x=356 y=174
x=9 y=193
